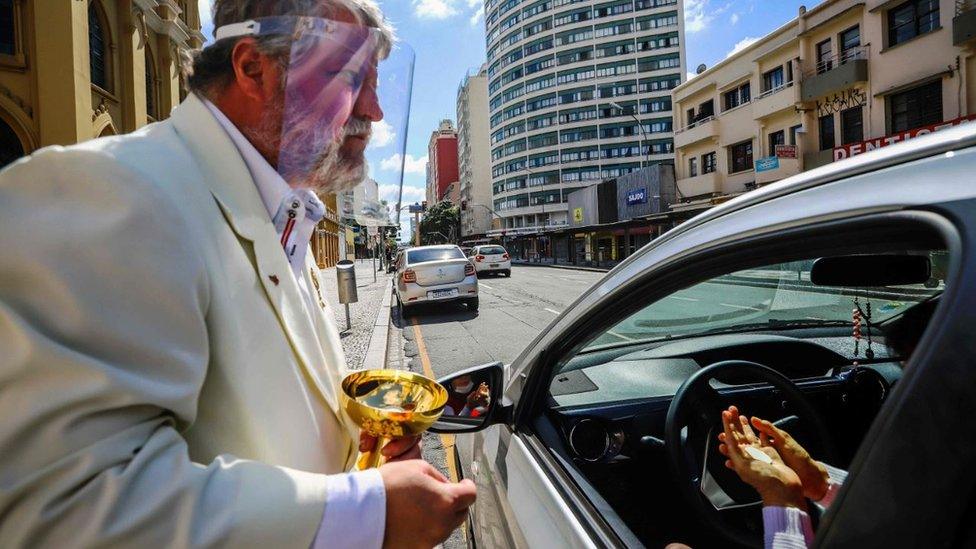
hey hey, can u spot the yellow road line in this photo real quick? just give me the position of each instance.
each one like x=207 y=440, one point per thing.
x=446 y=440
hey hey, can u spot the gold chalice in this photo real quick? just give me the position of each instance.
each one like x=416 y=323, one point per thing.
x=390 y=403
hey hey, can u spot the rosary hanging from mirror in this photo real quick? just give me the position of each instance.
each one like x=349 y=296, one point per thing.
x=859 y=316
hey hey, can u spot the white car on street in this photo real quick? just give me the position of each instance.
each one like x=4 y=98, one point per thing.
x=435 y=274
x=490 y=259
x=603 y=432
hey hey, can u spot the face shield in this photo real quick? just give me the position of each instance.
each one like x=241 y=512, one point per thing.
x=344 y=111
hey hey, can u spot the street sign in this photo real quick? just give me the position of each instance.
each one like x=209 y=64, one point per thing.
x=578 y=215
x=785 y=151
x=766 y=164
x=637 y=196
x=415 y=208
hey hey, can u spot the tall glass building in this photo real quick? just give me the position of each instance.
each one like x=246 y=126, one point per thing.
x=567 y=82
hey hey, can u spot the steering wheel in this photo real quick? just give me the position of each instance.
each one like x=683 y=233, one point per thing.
x=692 y=425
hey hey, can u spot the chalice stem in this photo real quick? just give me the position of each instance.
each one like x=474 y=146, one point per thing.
x=373 y=458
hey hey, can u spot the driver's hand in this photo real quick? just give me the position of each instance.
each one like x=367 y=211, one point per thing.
x=812 y=473
x=777 y=484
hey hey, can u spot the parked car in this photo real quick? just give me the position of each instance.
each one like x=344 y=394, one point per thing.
x=602 y=432
x=434 y=274
x=491 y=259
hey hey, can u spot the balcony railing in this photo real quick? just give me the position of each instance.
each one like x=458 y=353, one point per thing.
x=962 y=6
x=842 y=58
x=697 y=122
x=964 y=22
x=835 y=73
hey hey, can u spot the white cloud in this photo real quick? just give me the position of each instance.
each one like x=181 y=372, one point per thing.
x=477 y=15
x=383 y=134
x=734 y=19
x=697 y=18
x=741 y=45
x=412 y=165
x=434 y=9
x=410 y=194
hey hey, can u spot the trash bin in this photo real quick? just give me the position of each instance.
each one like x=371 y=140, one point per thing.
x=346 y=278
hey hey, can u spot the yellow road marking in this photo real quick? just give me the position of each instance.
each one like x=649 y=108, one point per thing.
x=446 y=440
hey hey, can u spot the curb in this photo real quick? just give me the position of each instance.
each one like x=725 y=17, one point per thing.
x=375 y=358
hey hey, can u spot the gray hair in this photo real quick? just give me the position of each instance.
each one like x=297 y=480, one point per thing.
x=208 y=71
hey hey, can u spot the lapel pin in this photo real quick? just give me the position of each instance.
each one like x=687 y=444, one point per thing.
x=274 y=278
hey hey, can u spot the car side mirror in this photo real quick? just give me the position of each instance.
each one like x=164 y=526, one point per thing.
x=474 y=400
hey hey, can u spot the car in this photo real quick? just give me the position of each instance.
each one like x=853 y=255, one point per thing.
x=491 y=259
x=434 y=274
x=809 y=302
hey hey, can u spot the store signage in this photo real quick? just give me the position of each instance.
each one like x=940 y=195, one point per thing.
x=766 y=164
x=785 y=151
x=854 y=149
x=578 y=215
x=415 y=209
x=637 y=196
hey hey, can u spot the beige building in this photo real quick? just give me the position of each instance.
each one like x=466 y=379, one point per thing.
x=79 y=69
x=842 y=78
x=474 y=161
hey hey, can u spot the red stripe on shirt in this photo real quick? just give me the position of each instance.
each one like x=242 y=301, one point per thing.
x=287 y=232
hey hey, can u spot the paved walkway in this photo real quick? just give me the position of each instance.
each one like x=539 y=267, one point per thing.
x=356 y=341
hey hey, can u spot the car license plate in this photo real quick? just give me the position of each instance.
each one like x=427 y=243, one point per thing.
x=441 y=294
x=493 y=265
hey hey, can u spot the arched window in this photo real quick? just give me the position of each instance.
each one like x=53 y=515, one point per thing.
x=10 y=147
x=97 y=47
x=8 y=40
x=150 y=84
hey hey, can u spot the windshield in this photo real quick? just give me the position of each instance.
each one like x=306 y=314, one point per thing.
x=774 y=297
x=433 y=254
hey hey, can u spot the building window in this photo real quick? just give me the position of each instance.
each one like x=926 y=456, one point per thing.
x=692 y=166
x=773 y=79
x=912 y=19
x=776 y=138
x=738 y=96
x=150 y=85
x=825 y=55
x=10 y=147
x=8 y=39
x=916 y=107
x=708 y=163
x=851 y=126
x=794 y=134
x=850 y=44
x=740 y=157
x=827 y=132
x=97 y=46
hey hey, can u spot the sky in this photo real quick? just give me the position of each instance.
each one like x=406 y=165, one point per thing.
x=447 y=38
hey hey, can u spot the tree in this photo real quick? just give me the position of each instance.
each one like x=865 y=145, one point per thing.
x=441 y=224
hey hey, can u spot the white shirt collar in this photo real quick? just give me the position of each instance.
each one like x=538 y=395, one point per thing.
x=271 y=186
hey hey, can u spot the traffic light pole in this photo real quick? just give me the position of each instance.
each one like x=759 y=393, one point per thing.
x=416 y=226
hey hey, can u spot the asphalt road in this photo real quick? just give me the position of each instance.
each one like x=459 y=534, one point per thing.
x=513 y=311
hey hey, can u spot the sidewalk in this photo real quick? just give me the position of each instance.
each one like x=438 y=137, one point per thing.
x=522 y=263
x=365 y=344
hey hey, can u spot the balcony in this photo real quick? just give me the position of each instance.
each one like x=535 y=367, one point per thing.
x=774 y=101
x=703 y=185
x=964 y=22
x=706 y=128
x=837 y=73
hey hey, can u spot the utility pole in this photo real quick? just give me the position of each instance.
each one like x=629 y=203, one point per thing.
x=416 y=226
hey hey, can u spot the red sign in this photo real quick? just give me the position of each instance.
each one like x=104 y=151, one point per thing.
x=855 y=149
x=786 y=151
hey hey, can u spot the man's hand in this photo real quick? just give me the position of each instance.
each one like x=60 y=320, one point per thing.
x=398 y=449
x=480 y=397
x=422 y=507
x=812 y=473
x=776 y=483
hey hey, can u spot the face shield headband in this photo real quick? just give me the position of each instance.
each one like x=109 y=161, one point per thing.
x=343 y=111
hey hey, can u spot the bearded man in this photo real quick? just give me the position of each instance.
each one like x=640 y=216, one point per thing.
x=169 y=373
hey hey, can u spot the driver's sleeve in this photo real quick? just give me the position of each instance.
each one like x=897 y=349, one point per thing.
x=837 y=478
x=789 y=527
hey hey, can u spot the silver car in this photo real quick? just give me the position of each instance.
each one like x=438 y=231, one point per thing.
x=839 y=304
x=435 y=274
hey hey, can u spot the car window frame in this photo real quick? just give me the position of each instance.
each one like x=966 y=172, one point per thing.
x=770 y=245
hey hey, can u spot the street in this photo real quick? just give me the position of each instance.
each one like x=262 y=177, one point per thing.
x=513 y=311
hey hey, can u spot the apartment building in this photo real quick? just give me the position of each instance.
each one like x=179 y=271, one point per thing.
x=579 y=91
x=442 y=164
x=474 y=155
x=840 y=79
